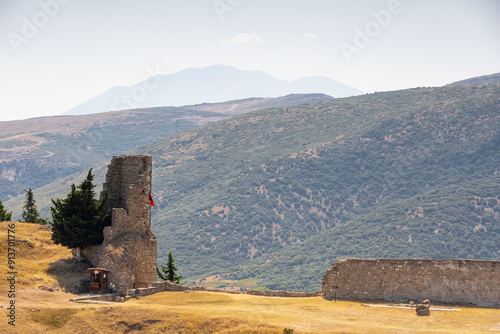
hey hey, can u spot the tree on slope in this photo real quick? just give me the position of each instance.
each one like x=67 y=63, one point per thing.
x=4 y=215
x=79 y=219
x=168 y=272
x=30 y=212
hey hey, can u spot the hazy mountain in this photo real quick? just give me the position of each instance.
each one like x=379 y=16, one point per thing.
x=211 y=84
x=272 y=197
x=481 y=80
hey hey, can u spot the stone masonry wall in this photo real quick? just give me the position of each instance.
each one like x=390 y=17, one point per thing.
x=457 y=281
x=128 y=251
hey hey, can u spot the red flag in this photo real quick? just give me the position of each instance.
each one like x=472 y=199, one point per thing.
x=151 y=200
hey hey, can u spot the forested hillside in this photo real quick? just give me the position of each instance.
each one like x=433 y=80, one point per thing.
x=35 y=152
x=459 y=221
x=270 y=198
x=371 y=176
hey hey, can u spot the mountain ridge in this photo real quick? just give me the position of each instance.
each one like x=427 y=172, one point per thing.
x=36 y=151
x=480 y=80
x=212 y=84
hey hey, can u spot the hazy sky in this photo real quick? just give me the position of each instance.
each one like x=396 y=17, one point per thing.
x=56 y=54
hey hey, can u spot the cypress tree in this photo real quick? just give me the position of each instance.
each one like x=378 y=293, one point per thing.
x=4 y=215
x=168 y=272
x=30 y=212
x=79 y=219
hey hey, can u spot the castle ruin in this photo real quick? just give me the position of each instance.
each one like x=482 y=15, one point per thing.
x=453 y=281
x=128 y=251
x=128 y=255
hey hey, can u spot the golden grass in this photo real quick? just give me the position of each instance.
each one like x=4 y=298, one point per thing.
x=53 y=317
x=39 y=311
x=320 y=316
x=36 y=257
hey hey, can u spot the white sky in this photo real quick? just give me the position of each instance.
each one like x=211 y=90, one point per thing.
x=80 y=48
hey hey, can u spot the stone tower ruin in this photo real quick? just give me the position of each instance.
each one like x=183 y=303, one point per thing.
x=128 y=251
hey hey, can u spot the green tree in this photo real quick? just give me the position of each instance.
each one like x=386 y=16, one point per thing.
x=4 y=215
x=30 y=212
x=168 y=272
x=79 y=219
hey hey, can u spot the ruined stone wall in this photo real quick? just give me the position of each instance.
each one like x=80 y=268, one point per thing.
x=456 y=281
x=128 y=251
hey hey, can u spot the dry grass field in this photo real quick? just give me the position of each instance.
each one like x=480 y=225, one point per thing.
x=41 y=263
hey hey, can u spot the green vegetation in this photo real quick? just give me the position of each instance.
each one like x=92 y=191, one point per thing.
x=274 y=196
x=280 y=194
x=79 y=219
x=44 y=150
x=4 y=214
x=30 y=212
x=85 y=141
x=450 y=223
x=168 y=272
x=16 y=143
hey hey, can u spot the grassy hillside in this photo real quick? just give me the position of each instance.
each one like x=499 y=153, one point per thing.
x=38 y=261
x=38 y=310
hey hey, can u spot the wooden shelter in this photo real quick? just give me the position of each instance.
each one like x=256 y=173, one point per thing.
x=98 y=280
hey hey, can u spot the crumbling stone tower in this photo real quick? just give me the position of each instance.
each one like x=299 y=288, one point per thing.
x=128 y=251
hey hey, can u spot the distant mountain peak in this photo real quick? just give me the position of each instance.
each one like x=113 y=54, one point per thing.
x=211 y=84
